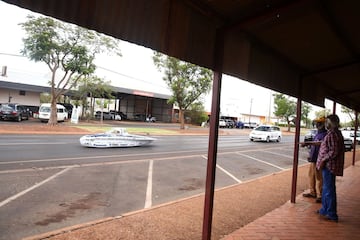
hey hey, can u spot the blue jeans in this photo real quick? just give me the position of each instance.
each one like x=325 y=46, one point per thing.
x=329 y=204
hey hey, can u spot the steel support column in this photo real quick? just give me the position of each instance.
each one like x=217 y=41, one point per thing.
x=213 y=138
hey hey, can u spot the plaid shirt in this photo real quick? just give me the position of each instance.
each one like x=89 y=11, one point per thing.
x=331 y=152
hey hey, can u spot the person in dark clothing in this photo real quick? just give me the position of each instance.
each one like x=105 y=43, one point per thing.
x=331 y=162
x=315 y=176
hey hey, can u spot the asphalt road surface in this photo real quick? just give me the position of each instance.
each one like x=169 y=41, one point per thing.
x=49 y=182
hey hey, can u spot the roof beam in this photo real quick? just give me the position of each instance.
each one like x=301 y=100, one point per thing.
x=265 y=15
x=328 y=15
x=332 y=68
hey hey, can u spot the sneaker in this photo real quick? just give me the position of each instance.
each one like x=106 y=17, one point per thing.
x=309 y=195
x=324 y=217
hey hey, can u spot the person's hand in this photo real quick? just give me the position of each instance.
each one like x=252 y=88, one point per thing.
x=322 y=164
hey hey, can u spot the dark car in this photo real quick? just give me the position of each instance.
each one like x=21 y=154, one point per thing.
x=239 y=124
x=118 y=115
x=69 y=107
x=140 y=117
x=13 y=111
x=105 y=115
x=309 y=136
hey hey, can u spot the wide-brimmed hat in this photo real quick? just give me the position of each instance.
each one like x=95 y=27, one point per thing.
x=320 y=120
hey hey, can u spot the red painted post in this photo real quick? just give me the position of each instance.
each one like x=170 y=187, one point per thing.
x=296 y=149
x=355 y=136
x=213 y=138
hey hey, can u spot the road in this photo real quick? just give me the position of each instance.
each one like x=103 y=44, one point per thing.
x=49 y=182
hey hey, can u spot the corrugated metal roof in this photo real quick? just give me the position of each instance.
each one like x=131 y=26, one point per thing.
x=25 y=87
x=41 y=89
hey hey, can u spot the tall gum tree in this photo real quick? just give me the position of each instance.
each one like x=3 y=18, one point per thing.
x=68 y=50
x=188 y=82
x=285 y=108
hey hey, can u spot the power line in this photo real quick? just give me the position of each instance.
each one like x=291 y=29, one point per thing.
x=12 y=54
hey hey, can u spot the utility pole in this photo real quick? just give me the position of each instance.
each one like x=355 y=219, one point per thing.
x=251 y=100
x=269 y=120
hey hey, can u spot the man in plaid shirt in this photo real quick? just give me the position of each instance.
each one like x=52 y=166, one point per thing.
x=331 y=161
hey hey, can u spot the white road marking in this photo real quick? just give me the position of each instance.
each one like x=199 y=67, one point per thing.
x=256 y=159
x=226 y=172
x=93 y=157
x=283 y=155
x=6 y=201
x=124 y=155
x=110 y=162
x=148 y=199
x=36 y=143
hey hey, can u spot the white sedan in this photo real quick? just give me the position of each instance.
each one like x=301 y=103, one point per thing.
x=265 y=133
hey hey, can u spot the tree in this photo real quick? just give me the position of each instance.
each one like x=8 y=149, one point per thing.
x=350 y=113
x=45 y=98
x=305 y=110
x=93 y=87
x=187 y=81
x=196 y=113
x=68 y=50
x=285 y=108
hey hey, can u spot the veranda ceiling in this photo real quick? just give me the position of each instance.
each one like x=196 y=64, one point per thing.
x=307 y=48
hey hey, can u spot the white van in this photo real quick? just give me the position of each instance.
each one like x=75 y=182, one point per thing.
x=45 y=110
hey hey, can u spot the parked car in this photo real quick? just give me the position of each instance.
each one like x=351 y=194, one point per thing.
x=45 y=110
x=229 y=123
x=140 y=117
x=266 y=133
x=14 y=111
x=239 y=124
x=105 y=115
x=350 y=134
x=250 y=125
x=309 y=136
x=222 y=123
x=69 y=107
x=118 y=115
x=348 y=144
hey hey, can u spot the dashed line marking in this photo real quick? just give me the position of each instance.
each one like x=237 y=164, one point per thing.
x=256 y=159
x=286 y=156
x=225 y=171
x=148 y=199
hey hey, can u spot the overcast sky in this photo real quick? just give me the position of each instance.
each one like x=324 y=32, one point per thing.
x=134 y=70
